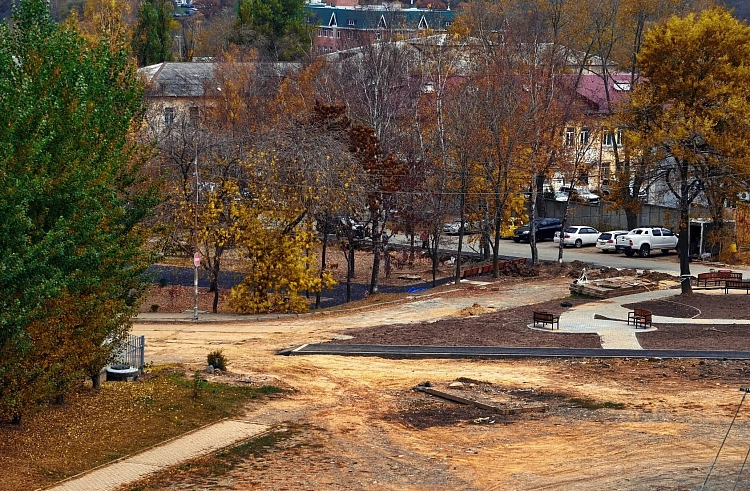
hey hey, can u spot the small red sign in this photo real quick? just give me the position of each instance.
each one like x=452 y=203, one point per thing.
x=197 y=259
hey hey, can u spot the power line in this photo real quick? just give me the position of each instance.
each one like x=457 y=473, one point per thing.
x=744 y=390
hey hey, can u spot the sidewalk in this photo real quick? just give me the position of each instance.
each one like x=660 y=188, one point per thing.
x=200 y=442
x=206 y=317
x=617 y=334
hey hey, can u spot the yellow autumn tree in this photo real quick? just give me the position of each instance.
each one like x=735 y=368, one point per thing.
x=275 y=247
x=692 y=113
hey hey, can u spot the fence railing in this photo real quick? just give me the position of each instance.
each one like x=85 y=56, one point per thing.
x=133 y=351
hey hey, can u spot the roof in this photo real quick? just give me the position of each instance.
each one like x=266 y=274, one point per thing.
x=186 y=79
x=592 y=89
x=371 y=18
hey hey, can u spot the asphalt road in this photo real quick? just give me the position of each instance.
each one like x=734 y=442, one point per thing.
x=548 y=251
x=227 y=279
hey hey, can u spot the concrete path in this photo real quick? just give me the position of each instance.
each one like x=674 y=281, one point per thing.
x=200 y=442
x=617 y=334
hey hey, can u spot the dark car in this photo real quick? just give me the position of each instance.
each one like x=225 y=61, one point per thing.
x=545 y=230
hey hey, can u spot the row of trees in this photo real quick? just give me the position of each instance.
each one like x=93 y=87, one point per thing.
x=454 y=125
x=401 y=135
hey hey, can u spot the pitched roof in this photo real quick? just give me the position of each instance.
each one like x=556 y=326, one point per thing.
x=191 y=79
x=370 y=18
x=170 y=79
x=592 y=89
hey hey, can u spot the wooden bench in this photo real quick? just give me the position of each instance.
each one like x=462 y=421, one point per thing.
x=545 y=318
x=736 y=285
x=640 y=318
x=718 y=278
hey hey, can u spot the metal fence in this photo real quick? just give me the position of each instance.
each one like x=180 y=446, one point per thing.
x=133 y=351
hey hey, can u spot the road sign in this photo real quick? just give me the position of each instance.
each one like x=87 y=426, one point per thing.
x=197 y=259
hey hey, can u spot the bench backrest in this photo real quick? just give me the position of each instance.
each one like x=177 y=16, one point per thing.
x=741 y=284
x=709 y=276
x=642 y=312
x=544 y=316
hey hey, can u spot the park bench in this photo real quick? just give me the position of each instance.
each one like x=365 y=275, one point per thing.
x=736 y=285
x=640 y=318
x=545 y=318
x=718 y=278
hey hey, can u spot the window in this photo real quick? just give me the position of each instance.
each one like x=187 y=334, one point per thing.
x=611 y=138
x=349 y=35
x=448 y=23
x=377 y=36
x=583 y=137
x=194 y=115
x=657 y=232
x=320 y=32
x=168 y=115
x=606 y=172
x=351 y=22
x=338 y=34
x=569 y=136
x=325 y=33
x=621 y=86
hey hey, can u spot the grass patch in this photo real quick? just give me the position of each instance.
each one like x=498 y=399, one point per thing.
x=120 y=419
x=209 y=467
x=594 y=405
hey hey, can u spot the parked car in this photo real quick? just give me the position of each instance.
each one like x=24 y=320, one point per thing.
x=578 y=236
x=454 y=228
x=607 y=241
x=645 y=239
x=545 y=230
x=580 y=195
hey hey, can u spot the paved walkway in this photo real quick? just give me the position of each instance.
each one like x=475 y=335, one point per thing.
x=200 y=442
x=617 y=334
x=614 y=335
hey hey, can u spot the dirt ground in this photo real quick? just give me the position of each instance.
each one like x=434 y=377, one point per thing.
x=358 y=423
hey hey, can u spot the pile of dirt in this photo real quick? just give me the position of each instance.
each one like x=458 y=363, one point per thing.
x=475 y=309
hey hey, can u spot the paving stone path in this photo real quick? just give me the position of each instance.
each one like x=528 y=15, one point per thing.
x=194 y=444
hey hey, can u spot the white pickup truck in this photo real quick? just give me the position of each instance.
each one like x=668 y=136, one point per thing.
x=645 y=239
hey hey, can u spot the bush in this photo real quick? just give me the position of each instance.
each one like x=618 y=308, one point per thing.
x=217 y=359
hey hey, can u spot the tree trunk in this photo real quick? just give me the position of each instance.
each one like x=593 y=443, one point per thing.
x=376 y=233
x=214 y=285
x=684 y=246
x=631 y=217
x=350 y=272
x=322 y=267
x=541 y=211
x=96 y=382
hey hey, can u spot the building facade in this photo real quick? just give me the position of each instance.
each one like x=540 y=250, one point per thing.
x=343 y=24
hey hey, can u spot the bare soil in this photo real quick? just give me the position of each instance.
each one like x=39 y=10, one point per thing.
x=358 y=423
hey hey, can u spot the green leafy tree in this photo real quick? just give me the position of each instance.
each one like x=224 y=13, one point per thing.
x=151 y=38
x=690 y=118
x=276 y=27
x=71 y=203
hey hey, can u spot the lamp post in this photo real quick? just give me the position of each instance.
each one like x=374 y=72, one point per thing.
x=197 y=255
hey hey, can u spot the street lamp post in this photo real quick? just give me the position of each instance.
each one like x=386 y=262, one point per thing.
x=197 y=255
